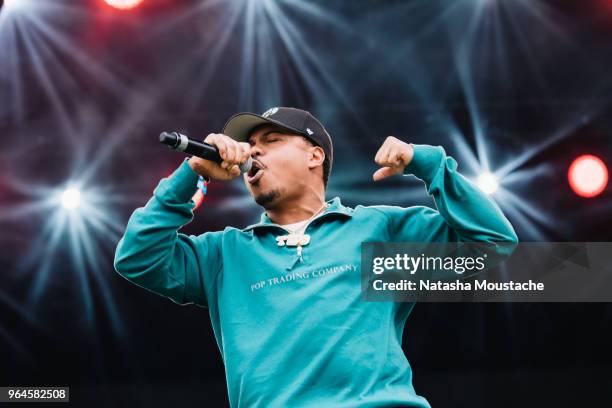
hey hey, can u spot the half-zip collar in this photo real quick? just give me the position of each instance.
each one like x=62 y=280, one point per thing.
x=335 y=208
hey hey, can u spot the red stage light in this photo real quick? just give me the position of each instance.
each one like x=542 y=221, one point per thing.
x=124 y=4
x=588 y=175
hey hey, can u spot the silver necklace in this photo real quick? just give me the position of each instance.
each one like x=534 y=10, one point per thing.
x=298 y=240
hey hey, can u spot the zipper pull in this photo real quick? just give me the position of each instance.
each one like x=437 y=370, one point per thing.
x=297 y=259
x=299 y=252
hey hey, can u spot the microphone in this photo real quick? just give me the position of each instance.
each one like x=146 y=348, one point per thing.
x=180 y=142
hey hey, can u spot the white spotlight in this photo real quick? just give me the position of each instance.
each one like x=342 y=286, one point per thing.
x=14 y=4
x=487 y=183
x=71 y=198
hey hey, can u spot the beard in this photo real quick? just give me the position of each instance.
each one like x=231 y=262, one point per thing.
x=265 y=198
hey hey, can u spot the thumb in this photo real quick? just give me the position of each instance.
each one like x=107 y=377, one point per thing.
x=234 y=171
x=383 y=172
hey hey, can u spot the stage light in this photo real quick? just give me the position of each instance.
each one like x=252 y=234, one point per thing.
x=487 y=183
x=14 y=4
x=71 y=198
x=123 y=4
x=77 y=221
x=588 y=176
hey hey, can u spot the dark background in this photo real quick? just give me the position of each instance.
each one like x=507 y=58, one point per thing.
x=520 y=87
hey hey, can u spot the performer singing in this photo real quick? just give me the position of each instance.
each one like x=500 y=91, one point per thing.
x=284 y=294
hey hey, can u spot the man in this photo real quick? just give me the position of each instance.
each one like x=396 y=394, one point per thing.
x=284 y=294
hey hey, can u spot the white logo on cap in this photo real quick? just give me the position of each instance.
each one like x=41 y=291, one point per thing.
x=310 y=132
x=269 y=112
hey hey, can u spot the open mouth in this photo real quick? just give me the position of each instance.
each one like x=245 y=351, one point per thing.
x=256 y=172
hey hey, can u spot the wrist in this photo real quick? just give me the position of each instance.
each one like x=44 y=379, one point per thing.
x=196 y=168
x=193 y=164
x=408 y=155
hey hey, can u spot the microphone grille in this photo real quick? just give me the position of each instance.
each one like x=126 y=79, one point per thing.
x=246 y=166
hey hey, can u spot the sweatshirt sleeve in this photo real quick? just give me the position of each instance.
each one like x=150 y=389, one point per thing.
x=464 y=213
x=153 y=255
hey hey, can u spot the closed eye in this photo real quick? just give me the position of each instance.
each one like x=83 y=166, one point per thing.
x=272 y=138
x=266 y=141
x=267 y=138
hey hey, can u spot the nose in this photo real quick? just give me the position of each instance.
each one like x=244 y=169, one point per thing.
x=255 y=150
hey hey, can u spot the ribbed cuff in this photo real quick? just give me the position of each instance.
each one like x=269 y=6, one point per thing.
x=425 y=162
x=182 y=183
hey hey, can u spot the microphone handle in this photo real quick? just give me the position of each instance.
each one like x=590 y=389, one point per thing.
x=180 y=142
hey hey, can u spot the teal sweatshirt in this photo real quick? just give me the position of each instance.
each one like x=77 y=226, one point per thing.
x=292 y=330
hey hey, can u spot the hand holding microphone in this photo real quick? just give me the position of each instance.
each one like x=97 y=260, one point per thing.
x=220 y=157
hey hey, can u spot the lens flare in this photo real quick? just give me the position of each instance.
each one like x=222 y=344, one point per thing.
x=123 y=4
x=588 y=176
x=15 y=4
x=488 y=183
x=71 y=198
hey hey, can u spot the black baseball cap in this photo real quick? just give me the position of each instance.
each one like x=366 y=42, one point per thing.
x=297 y=121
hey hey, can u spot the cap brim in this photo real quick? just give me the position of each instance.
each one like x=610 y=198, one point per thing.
x=240 y=126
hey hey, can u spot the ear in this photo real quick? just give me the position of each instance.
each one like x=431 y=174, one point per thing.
x=316 y=158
